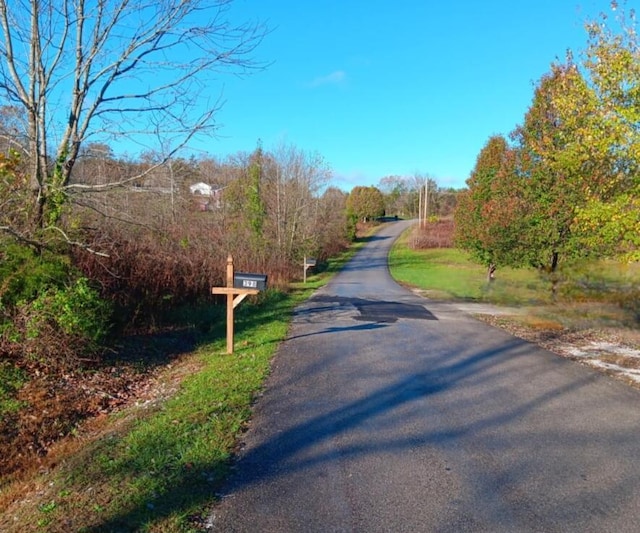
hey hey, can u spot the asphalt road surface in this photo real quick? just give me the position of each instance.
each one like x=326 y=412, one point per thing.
x=386 y=412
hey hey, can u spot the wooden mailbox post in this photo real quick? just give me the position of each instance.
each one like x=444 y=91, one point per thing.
x=239 y=286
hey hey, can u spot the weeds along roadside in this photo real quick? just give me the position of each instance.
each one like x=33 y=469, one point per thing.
x=156 y=465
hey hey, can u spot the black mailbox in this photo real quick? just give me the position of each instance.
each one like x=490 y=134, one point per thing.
x=242 y=280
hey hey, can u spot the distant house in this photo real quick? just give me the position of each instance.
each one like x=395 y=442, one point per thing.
x=206 y=197
x=201 y=188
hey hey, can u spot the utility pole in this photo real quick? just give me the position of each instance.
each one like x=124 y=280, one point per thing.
x=426 y=201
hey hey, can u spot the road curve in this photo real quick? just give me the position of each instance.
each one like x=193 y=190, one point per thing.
x=386 y=412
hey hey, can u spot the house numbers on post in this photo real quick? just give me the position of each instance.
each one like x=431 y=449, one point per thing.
x=239 y=286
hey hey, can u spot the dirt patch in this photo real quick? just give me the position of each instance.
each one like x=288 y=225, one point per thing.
x=57 y=405
x=614 y=351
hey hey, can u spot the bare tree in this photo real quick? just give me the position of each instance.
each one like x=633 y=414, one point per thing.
x=395 y=190
x=96 y=70
x=272 y=210
x=293 y=189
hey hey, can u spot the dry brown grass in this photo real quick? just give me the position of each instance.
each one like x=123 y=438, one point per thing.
x=435 y=234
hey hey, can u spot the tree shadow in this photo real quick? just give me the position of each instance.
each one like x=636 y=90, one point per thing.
x=365 y=309
x=438 y=379
x=298 y=446
x=376 y=314
x=337 y=329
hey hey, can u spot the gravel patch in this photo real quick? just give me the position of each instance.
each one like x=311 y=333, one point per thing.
x=614 y=351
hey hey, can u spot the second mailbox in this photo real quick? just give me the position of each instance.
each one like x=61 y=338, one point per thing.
x=242 y=280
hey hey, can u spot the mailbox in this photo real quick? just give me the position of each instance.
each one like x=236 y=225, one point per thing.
x=310 y=262
x=242 y=280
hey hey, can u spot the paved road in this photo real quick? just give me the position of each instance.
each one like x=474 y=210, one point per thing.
x=386 y=412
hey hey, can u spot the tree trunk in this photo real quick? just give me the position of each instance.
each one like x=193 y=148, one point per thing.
x=491 y=270
x=554 y=277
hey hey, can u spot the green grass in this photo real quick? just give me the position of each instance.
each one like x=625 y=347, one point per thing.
x=160 y=465
x=592 y=294
x=447 y=273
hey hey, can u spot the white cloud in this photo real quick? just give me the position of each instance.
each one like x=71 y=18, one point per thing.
x=335 y=78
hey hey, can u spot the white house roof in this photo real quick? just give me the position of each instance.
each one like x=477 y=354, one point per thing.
x=201 y=188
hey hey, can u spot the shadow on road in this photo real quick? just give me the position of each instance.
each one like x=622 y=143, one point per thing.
x=299 y=446
x=341 y=329
x=291 y=450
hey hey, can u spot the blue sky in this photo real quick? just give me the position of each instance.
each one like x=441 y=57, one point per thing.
x=380 y=88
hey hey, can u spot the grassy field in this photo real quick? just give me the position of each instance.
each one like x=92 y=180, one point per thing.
x=448 y=273
x=591 y=294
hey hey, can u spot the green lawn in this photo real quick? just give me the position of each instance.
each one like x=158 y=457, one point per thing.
x=590 y=294
x=448 y=273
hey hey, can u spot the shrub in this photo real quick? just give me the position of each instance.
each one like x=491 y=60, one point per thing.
x=146 y=275
x=24 y=273
x=60 y=326
x=77 y=310
x=49 y=315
